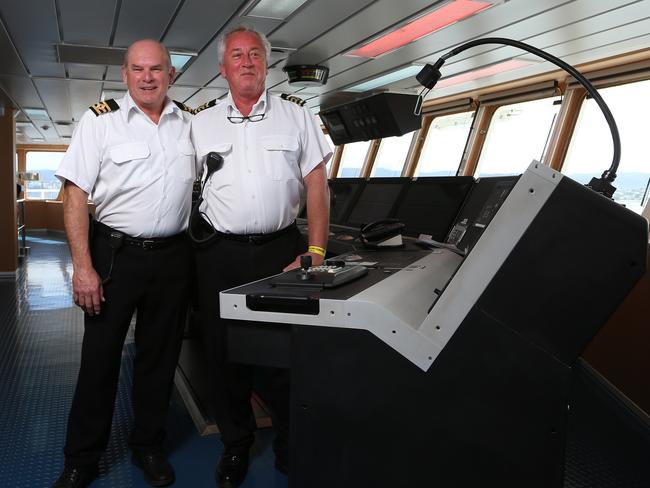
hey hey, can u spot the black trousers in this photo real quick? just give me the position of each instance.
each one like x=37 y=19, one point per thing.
x=225 y=264
x=155 y=283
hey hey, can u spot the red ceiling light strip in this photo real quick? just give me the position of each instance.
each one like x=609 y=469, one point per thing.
x=431 y=22
x=511 y=65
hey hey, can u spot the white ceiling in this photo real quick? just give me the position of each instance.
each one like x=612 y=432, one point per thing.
x=320 y=32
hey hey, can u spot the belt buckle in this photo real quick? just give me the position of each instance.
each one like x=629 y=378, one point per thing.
x=148 y=244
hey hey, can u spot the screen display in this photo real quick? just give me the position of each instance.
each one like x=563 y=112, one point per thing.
x=377 y=200
x=343 y=195
x=429 y=205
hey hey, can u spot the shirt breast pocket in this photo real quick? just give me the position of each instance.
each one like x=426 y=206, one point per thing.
x=281 y=155
x=184 y=166
x=127 y=165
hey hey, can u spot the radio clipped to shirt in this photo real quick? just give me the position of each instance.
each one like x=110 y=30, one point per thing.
x=196 y=228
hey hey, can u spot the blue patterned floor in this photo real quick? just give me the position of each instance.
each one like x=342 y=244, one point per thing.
x=40 y=344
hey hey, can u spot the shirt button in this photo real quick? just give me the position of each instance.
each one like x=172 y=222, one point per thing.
x=253 y=197
x=249 y=171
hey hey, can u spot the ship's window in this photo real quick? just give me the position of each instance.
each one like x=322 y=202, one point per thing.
x=444 y=145
x=392 y=154
x=41 y=165
x=352 y=160
x=590 y=150
x=517 y=135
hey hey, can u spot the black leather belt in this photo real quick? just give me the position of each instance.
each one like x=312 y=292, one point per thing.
x=256 y=238
x=145 y=243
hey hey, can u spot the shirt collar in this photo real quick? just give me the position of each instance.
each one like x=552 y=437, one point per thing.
x=258 y=108
x=168 y=108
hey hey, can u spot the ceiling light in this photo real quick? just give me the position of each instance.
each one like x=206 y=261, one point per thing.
x=401 y=74
x=492 y=70
x=180 y=60
x=274 y=9
x=433 y=21
x=36 y=113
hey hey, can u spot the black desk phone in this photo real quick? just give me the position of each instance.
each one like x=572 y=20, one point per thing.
x=380 y=231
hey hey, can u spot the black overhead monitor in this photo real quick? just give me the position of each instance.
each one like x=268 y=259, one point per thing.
x=429 y=205
x=336 y=127
x=484 y=200
x=343 y=195
x=376 y=200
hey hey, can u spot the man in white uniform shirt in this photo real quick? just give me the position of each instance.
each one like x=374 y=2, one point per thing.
x=272 y=151
x=135 y=158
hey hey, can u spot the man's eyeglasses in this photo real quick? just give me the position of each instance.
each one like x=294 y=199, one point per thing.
x=250 y=118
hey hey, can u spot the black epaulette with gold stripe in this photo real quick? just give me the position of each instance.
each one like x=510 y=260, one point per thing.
x=209 y=104
x=292 y=98
x=183 y=107
x=104 y=107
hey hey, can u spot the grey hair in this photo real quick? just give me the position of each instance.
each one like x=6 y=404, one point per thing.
x=125 y=63
x=221 y=42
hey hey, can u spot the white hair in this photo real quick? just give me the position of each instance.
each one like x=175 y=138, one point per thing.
x=221 y=43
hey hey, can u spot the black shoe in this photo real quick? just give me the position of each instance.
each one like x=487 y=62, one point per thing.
x=76 y=477
x=157 y=470
x=232 y=468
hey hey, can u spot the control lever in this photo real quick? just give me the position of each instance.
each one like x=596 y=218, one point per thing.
x=305 y=264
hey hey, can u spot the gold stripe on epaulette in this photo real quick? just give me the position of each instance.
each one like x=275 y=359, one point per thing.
x=183 y=107
x=104 y=107
x=209 y=104
x=292 y=98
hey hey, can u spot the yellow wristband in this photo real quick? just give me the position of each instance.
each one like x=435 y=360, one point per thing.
x=317 y=250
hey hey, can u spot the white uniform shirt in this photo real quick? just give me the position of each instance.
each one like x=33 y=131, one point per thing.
x=139 y=174
x=257 y=189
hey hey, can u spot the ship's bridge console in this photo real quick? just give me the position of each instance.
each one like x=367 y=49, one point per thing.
x=460 y=354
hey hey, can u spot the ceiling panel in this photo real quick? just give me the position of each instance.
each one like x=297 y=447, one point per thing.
x=85 y=71
x=84 y=22
x=56 y=97
x=205 y=95
x=203 y=68
x=143 y=19
x=49 y=132
x=181 y=93
x=261 y=24
x=35 y=33
x=313 y=20
x=114 y=73
x=9 y=60
x=29 y=131
x=83 y=95
x=21 y=90
x=114 y=85
x=198 y=21
x=64 y=130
